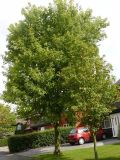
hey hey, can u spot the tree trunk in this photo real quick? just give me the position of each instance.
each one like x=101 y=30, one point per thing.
x=57 y=139
x=95 y=149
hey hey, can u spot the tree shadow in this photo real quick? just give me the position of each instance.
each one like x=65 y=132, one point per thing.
x=116 y=144
x=108 y=158
x=52 y=157
x=62 y=157
x=14 y=157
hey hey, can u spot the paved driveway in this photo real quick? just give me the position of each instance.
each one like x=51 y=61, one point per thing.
x=26 y=155
x=14 y=157
x=5 y=155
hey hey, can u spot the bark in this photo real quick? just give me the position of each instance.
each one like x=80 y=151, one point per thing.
x=95 y=148
x=57 y=139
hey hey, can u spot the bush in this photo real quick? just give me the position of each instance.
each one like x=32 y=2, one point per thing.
x=36 y=139
x=3 y=142
x=6 y=131
x=64 y=131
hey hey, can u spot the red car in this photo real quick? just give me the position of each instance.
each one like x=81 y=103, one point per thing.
x=82 y=134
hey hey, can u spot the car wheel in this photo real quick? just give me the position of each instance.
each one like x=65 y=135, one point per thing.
x=104 y=136
x=81 y=141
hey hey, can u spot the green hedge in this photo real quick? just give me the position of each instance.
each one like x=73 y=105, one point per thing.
x=36 y=139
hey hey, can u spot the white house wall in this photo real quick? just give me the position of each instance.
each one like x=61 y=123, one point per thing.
x=115 y=121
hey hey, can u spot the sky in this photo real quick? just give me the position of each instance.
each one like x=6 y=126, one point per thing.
x=10 y=12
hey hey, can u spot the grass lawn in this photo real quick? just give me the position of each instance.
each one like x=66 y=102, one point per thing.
x=107 y=152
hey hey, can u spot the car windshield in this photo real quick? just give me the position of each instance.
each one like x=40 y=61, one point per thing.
x=73 y=131
x=79 y=130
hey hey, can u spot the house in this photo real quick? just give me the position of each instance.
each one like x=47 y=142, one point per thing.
x=28 y=126
x=113 y=121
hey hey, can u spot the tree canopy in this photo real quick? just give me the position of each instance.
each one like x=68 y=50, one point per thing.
x=48 y=45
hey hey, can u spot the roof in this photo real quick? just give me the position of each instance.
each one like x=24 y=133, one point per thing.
x=116 y=111
x=117 y=105
x=118 y=82
x=36 y=126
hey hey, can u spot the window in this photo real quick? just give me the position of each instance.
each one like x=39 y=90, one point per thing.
x=73 y=131
x=85 y=129
x=80 y=130
x=42 y=128
x=19 y=127
x=107 y=123
x=118 y=120
x=66 y=125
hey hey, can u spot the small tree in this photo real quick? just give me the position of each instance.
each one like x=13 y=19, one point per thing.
x=7 y=118
x=98 y=96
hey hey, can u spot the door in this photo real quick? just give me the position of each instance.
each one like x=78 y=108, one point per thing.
x=115 y=121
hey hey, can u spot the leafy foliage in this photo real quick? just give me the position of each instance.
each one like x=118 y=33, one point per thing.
x=7 y=118
x=47 y=52
x=3 y=142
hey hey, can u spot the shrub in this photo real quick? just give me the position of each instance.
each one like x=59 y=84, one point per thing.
x=36 y=139
x=64 y=131
x=3 y=142
x=6 y=131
